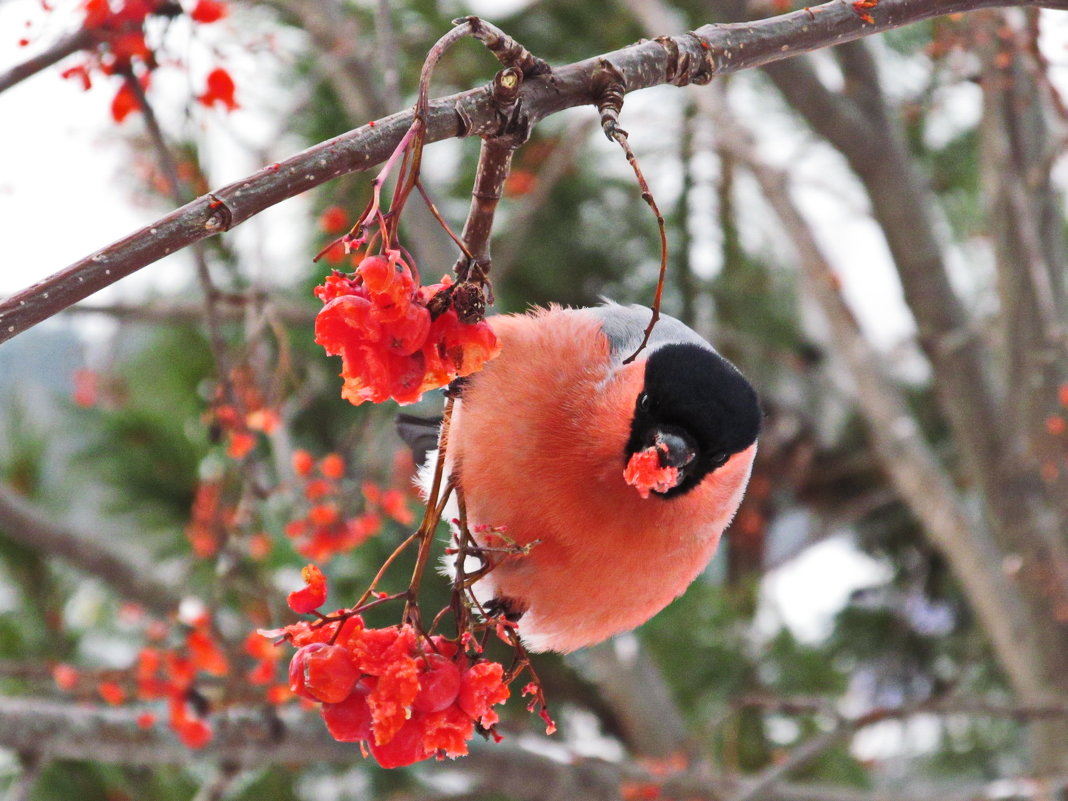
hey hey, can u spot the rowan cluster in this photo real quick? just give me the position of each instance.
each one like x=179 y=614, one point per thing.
x=403 y=696
x=396 y=339
x=119 y=47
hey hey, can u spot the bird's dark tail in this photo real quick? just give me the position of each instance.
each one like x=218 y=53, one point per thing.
x=420 y=434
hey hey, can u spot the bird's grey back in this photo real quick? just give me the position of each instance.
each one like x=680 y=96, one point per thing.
x=624 y=326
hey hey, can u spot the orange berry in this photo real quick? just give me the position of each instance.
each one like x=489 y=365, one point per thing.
x=332 y=466
x=65 y=677
x=111 y=692
x=146 y=720
x=334 y=220
x=323 y=514
x=313 y=595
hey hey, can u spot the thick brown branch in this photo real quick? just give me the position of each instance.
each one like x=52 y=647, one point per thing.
x=25 y=524
x=494 y=164
x=690 y=58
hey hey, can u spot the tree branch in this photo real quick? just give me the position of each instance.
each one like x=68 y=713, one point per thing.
x=80 y=40
x=634 y=688
x=904 y=454
x=25 y=524
x=694 y=57
x=247 y=738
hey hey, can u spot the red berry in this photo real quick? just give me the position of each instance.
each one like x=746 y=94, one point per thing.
x=407 y=334
x=404 y=748
x=444 y=646
x=313 y=595
x=348 y=721
x=482 y=686
x=296 y=669
x=207 y=11
x=438 y=686
x=302 y=463
x=322 y=672
x=377 y=273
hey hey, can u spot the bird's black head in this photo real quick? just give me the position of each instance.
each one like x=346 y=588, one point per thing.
x=697 y=409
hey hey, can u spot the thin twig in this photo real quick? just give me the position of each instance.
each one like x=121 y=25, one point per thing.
x=507 y=50
x=431 y=517
x=459 y=242
x=609 y=104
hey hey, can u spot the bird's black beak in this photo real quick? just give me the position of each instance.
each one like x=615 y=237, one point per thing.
x=676 y=447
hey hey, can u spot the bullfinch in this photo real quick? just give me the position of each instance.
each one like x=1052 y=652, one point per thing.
x=620 y=476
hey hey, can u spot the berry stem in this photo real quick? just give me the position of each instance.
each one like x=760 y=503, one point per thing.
x=610 y=91
x=434 y=507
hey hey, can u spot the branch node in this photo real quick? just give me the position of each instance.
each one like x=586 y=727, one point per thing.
x=506 y=49
x=702 y=70
x=222 y=216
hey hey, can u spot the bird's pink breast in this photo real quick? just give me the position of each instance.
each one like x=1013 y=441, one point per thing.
x=539 y=451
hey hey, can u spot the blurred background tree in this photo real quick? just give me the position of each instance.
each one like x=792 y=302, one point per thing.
x=874 y=234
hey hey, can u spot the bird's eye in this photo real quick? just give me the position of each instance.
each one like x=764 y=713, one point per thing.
x=644 y=402
x=719 y=459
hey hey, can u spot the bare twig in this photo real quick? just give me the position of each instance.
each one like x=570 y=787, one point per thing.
x=610 y=91
x=507 y=50
x=690 y=58
x=979 y=707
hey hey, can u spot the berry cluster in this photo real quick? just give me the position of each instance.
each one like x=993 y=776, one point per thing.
x=645 y=474
x=403 y=697
x=120 y=48
x=240 y=411
x=171 y=675
x=209 y=520
x=397 y=339
x=327 y=527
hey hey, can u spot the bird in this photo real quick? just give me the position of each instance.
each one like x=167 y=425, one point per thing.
x=615 y=478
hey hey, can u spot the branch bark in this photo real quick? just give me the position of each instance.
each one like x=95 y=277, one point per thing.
x=24 y=523
x=694 y=57
x=80 y=40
